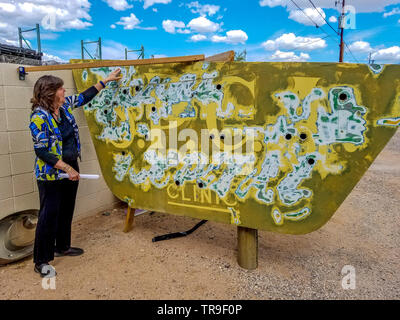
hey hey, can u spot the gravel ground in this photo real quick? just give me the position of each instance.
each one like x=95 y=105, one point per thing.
x=364 y=233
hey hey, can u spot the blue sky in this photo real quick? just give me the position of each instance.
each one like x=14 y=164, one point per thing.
x=269 y=30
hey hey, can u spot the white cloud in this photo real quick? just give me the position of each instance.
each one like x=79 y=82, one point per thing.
x=308 y=15
x=11 y=42
x=113 y=50
x=149 y=3
x=66 y=15
x=203 y=25
x=48 y=36
x=68 y=53
x=232 y=36
x=48 y=57
x=198 y=37
x=200 y=26
x=3 y=27
x=388 y=55
x=147 y=28
x=360 y=5
x=272 y=3
x=113 y=26
x=203 y=10
x=132 y=22
x=391 y=13
x=360 y=46
x=333 y=19
x=289 y=41
x=173 y=26
x=289 y=56
x=118 y=5
x=7 y=7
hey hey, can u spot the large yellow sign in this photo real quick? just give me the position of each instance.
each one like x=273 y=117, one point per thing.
x=271 y=146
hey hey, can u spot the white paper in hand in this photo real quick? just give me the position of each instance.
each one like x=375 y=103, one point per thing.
x=82 y=176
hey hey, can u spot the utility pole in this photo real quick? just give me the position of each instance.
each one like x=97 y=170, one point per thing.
x=341 y=26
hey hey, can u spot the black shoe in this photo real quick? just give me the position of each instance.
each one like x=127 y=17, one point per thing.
x=45 y=270
x=70 y=252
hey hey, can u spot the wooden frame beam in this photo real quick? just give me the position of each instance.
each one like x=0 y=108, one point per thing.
x=222 y=57
x=116 y=63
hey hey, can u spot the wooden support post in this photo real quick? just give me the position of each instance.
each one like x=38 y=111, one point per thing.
x=247 y=248
x=129 y=219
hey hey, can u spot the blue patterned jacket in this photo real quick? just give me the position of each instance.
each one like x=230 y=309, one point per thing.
x=45 y=133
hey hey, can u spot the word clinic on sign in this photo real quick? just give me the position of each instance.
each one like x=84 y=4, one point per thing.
x=197 y=194
x=206 y=309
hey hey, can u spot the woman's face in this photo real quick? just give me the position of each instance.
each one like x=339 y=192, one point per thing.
x=60 y=97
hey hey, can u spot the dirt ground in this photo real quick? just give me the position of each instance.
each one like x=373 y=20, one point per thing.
x=364 y=233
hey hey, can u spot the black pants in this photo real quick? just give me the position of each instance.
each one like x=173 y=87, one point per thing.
x=57 y=204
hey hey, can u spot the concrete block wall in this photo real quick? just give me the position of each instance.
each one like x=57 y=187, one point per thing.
x=18 y=188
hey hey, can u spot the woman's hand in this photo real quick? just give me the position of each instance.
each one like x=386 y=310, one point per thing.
x=73 y=174
x=114 y=76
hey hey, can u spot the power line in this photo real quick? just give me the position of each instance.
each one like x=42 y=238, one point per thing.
x=320 y=27
x=351 y=52
x=323 y=17
x=316 y=24
x=323 y=30
x=316 y=40
x=333 y=39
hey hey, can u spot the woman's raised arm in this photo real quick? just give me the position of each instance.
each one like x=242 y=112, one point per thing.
x=86 y=96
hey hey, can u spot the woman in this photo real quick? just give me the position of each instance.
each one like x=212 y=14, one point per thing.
x=56 y=143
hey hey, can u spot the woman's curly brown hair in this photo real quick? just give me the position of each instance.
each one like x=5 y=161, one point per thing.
x=44 y=92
